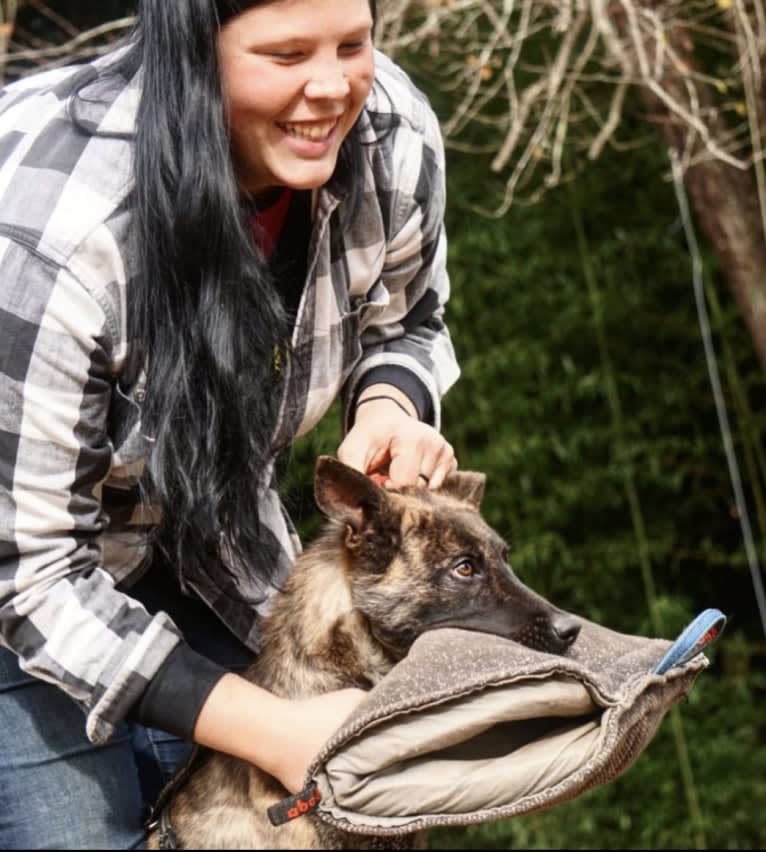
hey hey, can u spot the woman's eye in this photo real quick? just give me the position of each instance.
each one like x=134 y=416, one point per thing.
x=352 y=46
x=286 y=56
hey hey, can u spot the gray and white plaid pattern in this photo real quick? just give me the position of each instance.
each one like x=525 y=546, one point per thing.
x=71 y=450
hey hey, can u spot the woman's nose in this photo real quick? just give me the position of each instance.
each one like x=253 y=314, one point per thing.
x=328 y=82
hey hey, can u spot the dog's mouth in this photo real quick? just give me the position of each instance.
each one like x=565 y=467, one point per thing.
x=394 y=650
x=552 y=636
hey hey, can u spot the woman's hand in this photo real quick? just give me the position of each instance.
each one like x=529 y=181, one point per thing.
x=278 y=735
x=385 y=439
x=313 y=721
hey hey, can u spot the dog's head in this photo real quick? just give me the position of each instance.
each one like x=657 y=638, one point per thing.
x=420 y=559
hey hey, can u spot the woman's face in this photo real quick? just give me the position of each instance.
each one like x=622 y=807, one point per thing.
x=295 y=77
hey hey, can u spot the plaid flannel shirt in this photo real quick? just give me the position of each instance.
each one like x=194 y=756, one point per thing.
x=71 y=449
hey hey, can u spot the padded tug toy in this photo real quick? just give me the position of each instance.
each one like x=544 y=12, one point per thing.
x=470 y=727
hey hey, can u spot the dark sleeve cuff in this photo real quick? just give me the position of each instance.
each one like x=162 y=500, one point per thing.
x=406 y=381
x=174 y=697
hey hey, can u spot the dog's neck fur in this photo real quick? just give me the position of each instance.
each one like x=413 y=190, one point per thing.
x=306 y=649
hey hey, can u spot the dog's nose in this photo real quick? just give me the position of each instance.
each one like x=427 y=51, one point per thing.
x=566 y=627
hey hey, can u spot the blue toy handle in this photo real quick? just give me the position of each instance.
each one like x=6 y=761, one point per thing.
x=705 y=628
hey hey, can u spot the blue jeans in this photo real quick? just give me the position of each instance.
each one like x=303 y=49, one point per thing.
x=57 y=789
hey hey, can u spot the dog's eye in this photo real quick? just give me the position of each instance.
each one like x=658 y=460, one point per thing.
x=465 y=568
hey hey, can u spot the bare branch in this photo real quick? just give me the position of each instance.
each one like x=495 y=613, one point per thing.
x=8 y=11
x=533 y=80
x=24 y=53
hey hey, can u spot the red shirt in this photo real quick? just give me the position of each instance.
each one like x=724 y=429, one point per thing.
x=267 y=224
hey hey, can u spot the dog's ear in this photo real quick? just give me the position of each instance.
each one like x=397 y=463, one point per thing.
x=345 y=494
x=465 y=485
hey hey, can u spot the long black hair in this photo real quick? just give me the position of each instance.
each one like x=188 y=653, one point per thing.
x=205 y=321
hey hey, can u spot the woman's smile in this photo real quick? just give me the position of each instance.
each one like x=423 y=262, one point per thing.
x=311 y=132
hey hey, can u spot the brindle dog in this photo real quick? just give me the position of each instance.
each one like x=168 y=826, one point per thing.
x=389 y=566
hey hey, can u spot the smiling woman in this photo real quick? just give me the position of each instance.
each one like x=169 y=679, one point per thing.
x=206 y=237
x=295 y=75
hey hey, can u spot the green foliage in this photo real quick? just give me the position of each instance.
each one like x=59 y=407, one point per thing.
x=558 y=462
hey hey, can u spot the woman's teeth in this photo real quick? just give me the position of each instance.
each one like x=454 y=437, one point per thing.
x=312 y=132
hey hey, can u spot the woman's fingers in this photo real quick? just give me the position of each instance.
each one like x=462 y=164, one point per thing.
x=386 y=441
x=445 y=464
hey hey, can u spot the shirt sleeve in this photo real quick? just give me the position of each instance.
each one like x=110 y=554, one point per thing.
x=60 y=612
x=411 y=334
x=407 y=382
x=174 y=697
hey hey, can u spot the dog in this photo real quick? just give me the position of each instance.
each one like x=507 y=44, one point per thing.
x=389 y=565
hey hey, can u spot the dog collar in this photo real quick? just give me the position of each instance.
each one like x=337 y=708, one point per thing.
x=295 y=806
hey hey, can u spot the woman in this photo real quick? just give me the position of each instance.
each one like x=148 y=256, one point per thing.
x=205 y=237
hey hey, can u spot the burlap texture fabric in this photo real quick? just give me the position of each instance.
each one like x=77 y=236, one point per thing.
x=470 y=727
